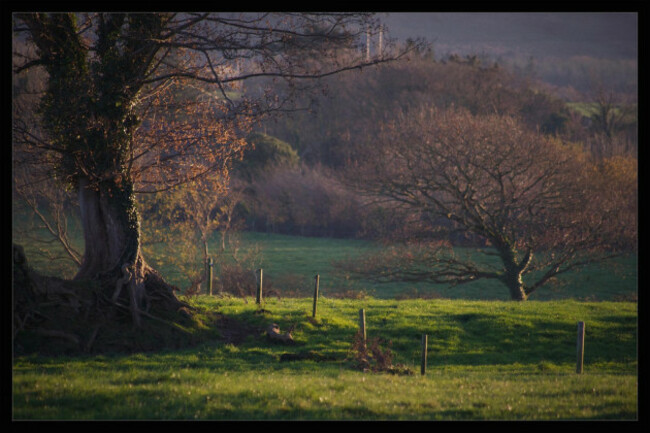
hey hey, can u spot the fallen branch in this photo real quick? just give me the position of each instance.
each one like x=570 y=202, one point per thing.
x=274 y=334
x=58 y=334
x=158 y=319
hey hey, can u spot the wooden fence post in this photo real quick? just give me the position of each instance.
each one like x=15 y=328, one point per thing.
x=313 y=314
x=581 y=347
x=210 y=266
x=362 y=324
x=423 y=363
x=259 y=288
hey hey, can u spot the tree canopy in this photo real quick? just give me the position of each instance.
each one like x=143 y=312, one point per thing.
x=534 y=202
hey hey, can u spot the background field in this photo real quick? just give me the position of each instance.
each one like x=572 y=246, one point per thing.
x=304 y=257
x=291 y=262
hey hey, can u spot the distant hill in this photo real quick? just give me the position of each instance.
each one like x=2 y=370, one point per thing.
x=537 y=34
x=568 y=50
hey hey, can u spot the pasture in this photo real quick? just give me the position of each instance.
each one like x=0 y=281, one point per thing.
x=291 y=262
x=488 y=358
x=298 y=259
x=148 y=129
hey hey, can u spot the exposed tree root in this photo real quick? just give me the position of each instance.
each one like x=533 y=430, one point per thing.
x=134 y=310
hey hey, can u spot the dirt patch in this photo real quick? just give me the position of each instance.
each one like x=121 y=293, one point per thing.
x=233 y=331
x=310 y=355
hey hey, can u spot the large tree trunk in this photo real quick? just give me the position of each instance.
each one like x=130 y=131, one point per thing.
x=56 y=316
x=110 y=227
x=514 y=269
x=512 y=279
x=112 y=253
x=115 y=302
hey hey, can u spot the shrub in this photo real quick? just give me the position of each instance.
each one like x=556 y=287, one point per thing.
x=370 y=356
x=304 y=201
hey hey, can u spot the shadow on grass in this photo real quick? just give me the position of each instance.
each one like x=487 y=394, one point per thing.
x=478 y=339
x=474 y=338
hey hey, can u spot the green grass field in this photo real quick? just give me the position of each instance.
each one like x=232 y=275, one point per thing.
x=487 y=360
x=291 y=262
x=304 y=257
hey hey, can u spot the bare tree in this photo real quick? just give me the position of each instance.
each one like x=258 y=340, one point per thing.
x=51 y=206
x=42 y=206
x=540 y=206
x=613 y=118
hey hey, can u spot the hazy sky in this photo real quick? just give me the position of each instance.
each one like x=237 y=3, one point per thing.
x=542 y=33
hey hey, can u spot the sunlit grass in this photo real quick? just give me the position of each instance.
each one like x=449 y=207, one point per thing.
x=487 y=360
x=493 y=359
x=330 y=394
